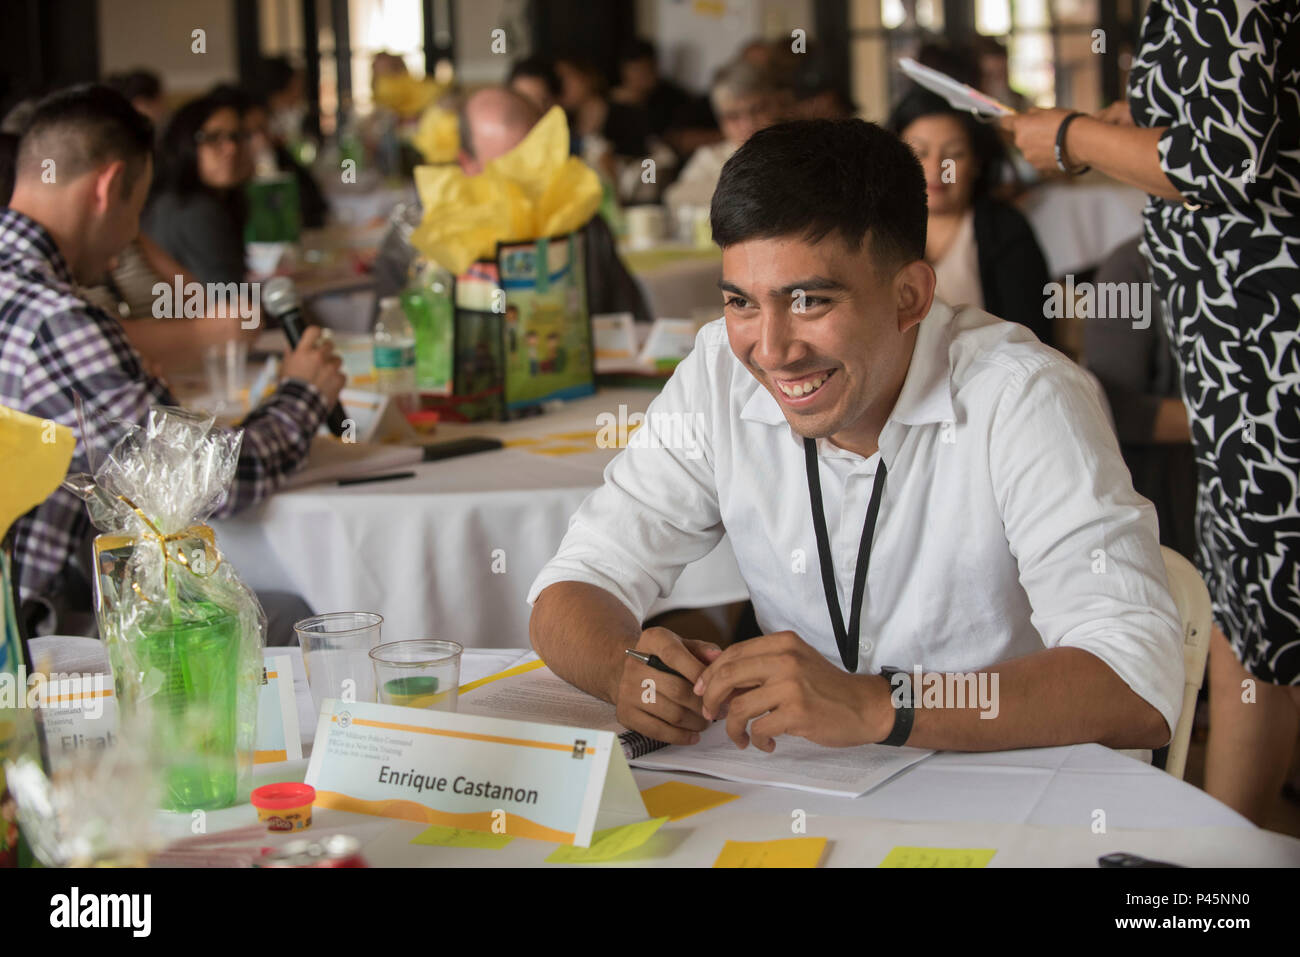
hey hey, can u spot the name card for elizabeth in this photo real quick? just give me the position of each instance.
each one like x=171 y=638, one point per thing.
x=540 y=781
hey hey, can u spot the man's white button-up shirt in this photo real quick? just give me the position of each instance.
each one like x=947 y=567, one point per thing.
x=1008 y=521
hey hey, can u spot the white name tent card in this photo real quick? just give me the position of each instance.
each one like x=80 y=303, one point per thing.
x=540 y=781
x=78 y=715
x=277 y=712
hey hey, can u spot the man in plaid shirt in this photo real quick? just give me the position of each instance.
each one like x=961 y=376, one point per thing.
x=83 y=173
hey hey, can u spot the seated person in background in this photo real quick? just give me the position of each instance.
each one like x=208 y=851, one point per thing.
x=56 y=349
x=583 y=94
x=269 y=154
x=1139 y=372
x=534 y=78
x=983 y=251
x=493 y=122
x=995 y=77
x=744 y=101
x=197 y=210
x=834 y=363
x=144 y=91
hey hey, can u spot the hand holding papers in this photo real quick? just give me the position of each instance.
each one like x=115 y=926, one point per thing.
x=960 y=95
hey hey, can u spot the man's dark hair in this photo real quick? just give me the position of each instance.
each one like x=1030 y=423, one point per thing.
x=136 y=84
x=985 y=144
x=81 y=128
x=8 y=163
x=538 y=68
x=274 y=74
x=639 y=50
x=812 y=178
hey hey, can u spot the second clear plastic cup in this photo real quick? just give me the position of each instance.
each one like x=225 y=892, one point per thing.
x=422 y=673
x=335 y=654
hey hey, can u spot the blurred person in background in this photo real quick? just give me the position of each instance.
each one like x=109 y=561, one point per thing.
x=995 y=75
x=56 y=350
x=283 y=88
x=644 y=88
x=745 y=100
x=144 y=90
x=592 y=115
x=493 y=121
x=269 y=155
x=197 y=210
x=534 y=78
x=818 y=94
x=983 y=251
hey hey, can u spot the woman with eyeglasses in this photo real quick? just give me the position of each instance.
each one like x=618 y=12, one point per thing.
x=197 y=210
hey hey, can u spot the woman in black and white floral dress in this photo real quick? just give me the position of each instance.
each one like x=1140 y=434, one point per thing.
x=1214 y=136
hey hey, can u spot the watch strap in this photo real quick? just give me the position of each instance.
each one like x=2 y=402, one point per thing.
x=904 y=715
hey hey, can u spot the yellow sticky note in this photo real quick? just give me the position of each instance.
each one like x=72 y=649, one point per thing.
x=789 y=852
x=938 y=857
x=608 y=844
x=457 y=837
x=677 y=799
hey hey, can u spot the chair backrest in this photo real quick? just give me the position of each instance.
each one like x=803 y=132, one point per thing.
x=1193 y=601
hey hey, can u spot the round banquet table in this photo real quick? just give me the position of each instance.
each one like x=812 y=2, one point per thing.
x=1035 y=807
x=452 y=552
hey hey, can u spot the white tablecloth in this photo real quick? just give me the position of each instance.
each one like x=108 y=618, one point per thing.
x=452 y=552
x=1034 y=807
x=1079 y=223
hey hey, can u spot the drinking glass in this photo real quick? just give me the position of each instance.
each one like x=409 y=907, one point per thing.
x=335 y=654
x=423 y=673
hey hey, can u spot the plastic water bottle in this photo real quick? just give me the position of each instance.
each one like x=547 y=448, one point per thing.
x=395 y=354
x=428 y=304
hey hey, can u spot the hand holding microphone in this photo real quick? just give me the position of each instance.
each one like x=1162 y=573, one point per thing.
x=311 y=358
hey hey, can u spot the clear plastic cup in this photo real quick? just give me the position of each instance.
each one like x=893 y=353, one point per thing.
x=422 y=673
x=335 y=654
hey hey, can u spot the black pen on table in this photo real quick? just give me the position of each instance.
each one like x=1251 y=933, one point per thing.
x=387 y=477
x=655 y=662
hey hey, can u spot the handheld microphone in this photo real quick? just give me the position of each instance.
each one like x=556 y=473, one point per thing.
x=280 y=299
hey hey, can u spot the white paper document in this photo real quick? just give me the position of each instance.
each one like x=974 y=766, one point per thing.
x=542 y=696
x=958 y=94
x=796 y=763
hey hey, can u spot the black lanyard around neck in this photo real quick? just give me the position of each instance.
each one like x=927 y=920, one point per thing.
x=847 y=640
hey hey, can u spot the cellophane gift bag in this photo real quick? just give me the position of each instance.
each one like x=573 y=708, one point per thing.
x=183 y=633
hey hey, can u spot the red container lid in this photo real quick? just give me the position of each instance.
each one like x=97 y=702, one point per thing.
x=423 y=418
x=278 y=797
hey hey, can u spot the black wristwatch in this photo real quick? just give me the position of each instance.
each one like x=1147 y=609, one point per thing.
x=904 y=714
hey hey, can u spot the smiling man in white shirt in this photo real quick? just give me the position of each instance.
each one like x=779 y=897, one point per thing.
x=1009 y=551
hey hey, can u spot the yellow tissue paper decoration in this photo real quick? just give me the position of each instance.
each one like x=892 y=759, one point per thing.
x=36 y=453
x=438 y=135
x=405 y=95
x=535 y=190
